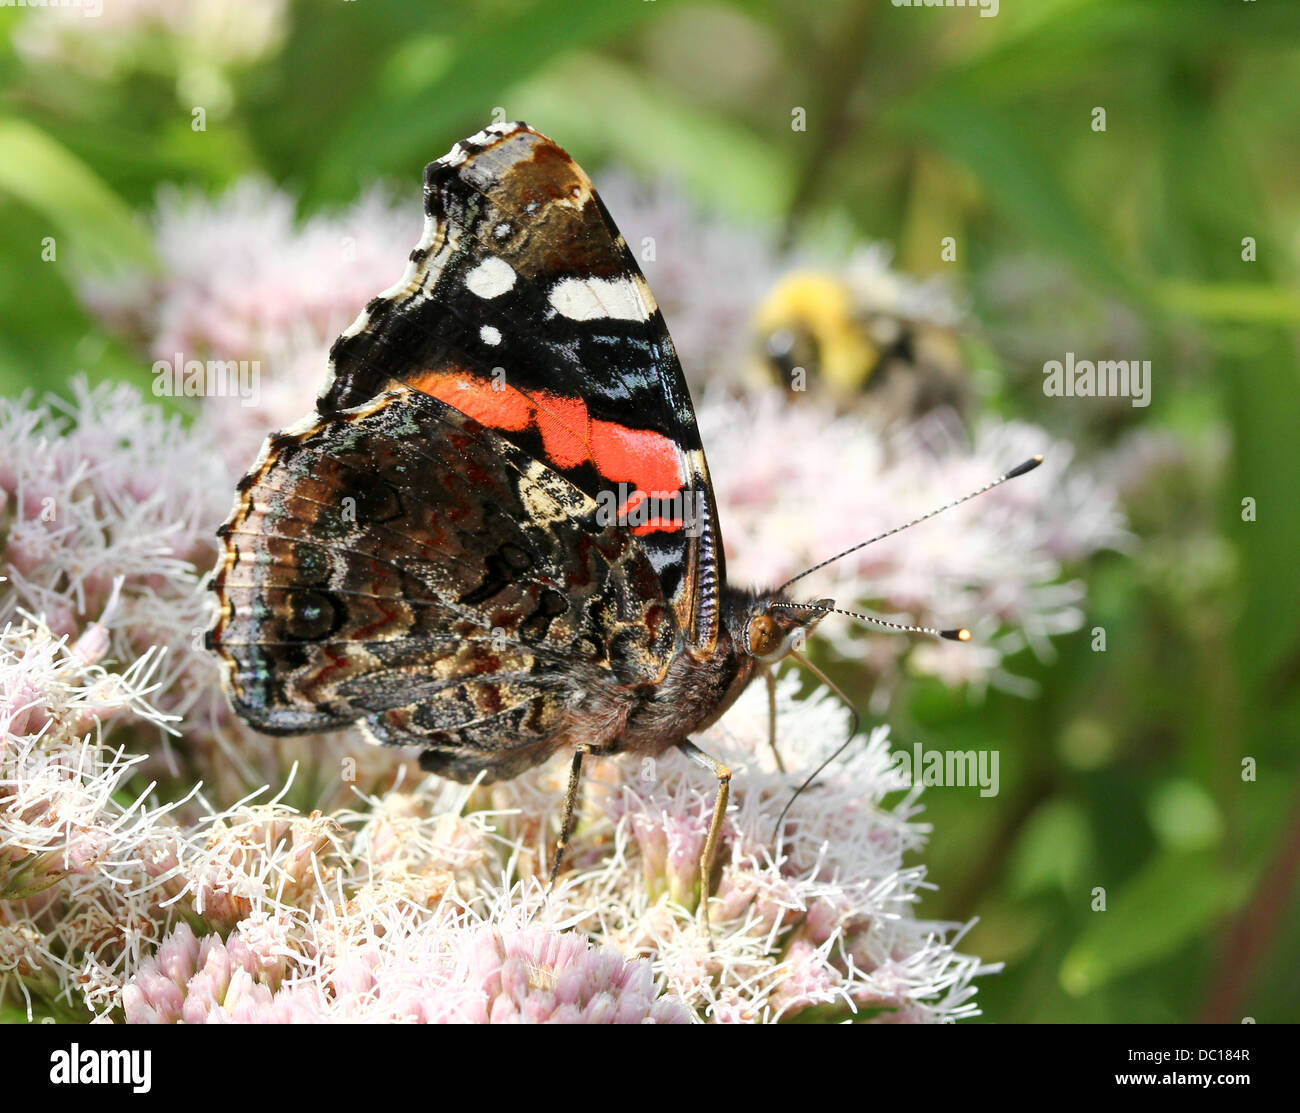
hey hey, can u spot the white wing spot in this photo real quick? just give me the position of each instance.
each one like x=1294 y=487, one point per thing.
x=502 y=230
x=491 y=278
x=489 y=335
x=587 y=299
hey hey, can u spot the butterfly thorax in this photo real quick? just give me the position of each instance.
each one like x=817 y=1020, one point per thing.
x=700 y=685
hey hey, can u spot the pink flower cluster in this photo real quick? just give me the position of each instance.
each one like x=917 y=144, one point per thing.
x=199 y=36
x=363 y=890
x=484 y=976
x=109 y=510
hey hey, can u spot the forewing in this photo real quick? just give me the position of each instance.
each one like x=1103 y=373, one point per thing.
x=523 y=307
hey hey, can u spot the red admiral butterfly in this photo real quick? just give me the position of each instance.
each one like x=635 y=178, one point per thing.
x=496 y=538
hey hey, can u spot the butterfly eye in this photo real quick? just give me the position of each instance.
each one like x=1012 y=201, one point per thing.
x=763 y=636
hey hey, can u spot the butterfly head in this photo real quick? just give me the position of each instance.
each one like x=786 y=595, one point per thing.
x=772 y=628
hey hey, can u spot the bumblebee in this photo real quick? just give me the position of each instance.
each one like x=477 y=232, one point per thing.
x=866 y=338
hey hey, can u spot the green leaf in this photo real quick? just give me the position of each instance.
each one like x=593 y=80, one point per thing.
x=1184 y=815
x=1171 y=901
x=1045 y=46
x=1052 y=850
x=1015 y=177
x=1238 y=302
x=45 y=176
x=13 y=1014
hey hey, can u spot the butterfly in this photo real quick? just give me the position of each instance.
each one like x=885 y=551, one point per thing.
x=496 y=538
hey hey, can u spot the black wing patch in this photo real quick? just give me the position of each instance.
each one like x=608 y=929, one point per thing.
x=523 y=307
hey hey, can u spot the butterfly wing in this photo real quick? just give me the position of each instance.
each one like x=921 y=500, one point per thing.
x=405 y=568
x=523 y=308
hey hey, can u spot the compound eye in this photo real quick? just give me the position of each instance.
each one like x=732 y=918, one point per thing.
x=763 y=635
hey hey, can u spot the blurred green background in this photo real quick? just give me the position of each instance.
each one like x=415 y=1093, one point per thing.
x=1126 y=772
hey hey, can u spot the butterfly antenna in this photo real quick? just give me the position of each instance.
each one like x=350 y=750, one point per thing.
x=853 y=730
x=959 y=634
x=1020 y=469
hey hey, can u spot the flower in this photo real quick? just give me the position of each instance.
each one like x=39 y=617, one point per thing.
x=540 y=976
x=107 y=498
x=241 y=279
x=362 y=889
x=417 y=905
x=482 y=976
x=104 y=37
x=995 y=565
x=232 y=980
x=822 y=916
x=80 y=869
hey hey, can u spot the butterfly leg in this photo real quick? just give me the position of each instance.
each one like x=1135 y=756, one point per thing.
x=568 y=821
x=769 y=676
x=715 y=827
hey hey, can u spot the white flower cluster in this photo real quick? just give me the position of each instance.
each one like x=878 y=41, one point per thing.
x=403 y=909
x=80 y=870
x=104 y=37
x=994 y=565
x=143 y=879
x=242 y=279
